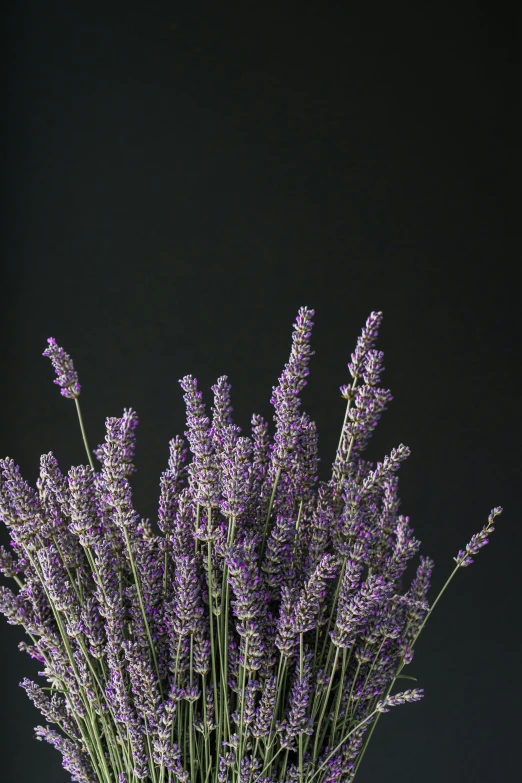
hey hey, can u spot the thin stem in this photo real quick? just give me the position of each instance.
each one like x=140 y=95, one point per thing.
x=339 y=695
x=283 y=662
x=282 y=771
x=191 y=715
x=325 y=702
x=217 y=704
x=242 y=707
x=224 y=613
x=84 y=436
x=332 y=610
x=301 y=667
x=94 y=736
x=334 y=751
x=269 y=763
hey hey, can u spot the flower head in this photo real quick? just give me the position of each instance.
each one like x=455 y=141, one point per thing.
x=67 y=377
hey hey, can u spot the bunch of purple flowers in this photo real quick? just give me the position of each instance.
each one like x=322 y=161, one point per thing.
x=257 y=636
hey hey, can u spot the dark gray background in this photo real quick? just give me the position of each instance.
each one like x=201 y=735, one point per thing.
x=181 y=177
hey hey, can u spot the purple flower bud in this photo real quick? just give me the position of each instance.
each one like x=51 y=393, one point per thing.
x=400 y=698
x=354 y=611
x=67 y=377
x=277 y=562
x=236 y=479
x=287 y=637
x=187 y=609
x=114 y=485
x=378 y=477
x=364 y=344
x=8 y=564
x=265 y=710
x=203 y=471
x=82 y=505
x=285 y=395
x=261 y=443
x=12 y=607
x=298 y=720
x=128 y=423
x=478 y=540
x=171 y=483
x=221 y=412
x=74 y=759
x=243 y=576
x=313 y=593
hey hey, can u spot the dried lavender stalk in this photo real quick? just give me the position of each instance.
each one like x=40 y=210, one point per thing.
x=258 y=634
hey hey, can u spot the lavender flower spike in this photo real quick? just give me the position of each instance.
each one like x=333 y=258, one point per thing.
x=64 y=368
x=399 y=698
x=365 y=343
x=479 y=540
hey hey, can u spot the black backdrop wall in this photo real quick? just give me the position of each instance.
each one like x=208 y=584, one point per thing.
x=181 y=178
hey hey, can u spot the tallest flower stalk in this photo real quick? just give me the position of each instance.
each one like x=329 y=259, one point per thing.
x=254 y=635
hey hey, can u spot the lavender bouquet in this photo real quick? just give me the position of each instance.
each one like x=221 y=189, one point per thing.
x=258 y=635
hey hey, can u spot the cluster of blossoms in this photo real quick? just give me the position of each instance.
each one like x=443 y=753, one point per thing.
x=256 y=636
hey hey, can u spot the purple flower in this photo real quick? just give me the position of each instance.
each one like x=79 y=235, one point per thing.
x=144 y=683
x=312 y=595
x=114 y=485
x=249 y=604
x=221 y=412
x=365 y=343
x=298 y=720
x=128 y=423
x=478 y=540
x=187 y=608
x=287 y=638
x=67 y=377
x=203 y=471
x=400 y=698
x=285 y=395
x=8 y=564
x=82 y=505
x=277 y=562
x=236 y=479
x=171 y=483
x=74 y=759
x=391 y=463
x=354 y=610
x=265 y=711
x=261 y=444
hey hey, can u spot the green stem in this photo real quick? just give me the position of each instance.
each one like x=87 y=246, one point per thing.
x=325 y=702
x=283 y=662
x=327 y=637
x=94 y=735
x=282 y=771
x=339 y=695
x=217 y=704
x=84 y=436
x=242 y=707
x=334 y=751
x=301 y=668
x=191 y=715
